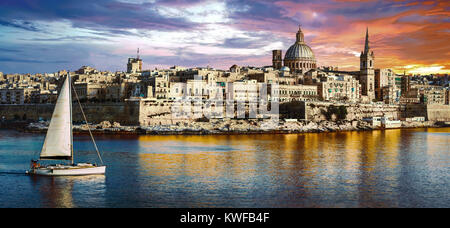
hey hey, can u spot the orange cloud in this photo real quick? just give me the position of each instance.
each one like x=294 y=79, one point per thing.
x=416 y=36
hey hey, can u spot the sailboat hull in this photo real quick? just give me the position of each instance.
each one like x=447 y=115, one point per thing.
x=68 y=170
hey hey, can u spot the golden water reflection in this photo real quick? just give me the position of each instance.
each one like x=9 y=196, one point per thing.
x=360 y=166
x=57 y=192
x=326 y=150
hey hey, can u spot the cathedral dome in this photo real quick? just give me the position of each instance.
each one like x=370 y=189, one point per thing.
x=300 y=56
x=299 y=51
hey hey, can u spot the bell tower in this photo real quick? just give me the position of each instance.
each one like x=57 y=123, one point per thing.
x=277 y=61
x=367 y=72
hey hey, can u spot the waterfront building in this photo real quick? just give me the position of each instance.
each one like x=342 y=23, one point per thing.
x=342 y=88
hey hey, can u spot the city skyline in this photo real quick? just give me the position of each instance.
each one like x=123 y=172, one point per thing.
x=48 y=36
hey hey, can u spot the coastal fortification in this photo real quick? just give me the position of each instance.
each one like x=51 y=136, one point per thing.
x=152 y=113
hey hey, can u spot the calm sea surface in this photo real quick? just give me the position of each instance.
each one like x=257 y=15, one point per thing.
x=392 y=168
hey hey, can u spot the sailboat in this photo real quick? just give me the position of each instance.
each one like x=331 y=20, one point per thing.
x=58 y=144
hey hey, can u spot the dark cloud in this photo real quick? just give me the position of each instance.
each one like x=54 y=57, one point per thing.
x=202 y=60
x=99 y=14
x=68 y=38
x=256 y=41
x=18 y=60
x=26 y=25
x=8 y=50
x=51 y=57
x=180 y=3
x=259 y=15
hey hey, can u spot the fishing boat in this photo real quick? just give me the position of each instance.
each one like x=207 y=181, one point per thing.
x=58 y=144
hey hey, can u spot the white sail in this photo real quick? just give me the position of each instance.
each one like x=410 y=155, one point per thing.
x=58 y=141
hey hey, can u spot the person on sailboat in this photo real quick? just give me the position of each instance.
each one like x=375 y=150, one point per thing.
x=34 y=164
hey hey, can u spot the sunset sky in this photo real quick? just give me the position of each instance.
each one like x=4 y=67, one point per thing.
x=38 y=36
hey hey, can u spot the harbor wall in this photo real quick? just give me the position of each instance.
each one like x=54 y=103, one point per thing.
x=125 y=113
x=314 y=111
x=434 y=112
x=148 y=113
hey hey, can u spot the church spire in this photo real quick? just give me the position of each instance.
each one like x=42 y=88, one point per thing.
x=366 y=46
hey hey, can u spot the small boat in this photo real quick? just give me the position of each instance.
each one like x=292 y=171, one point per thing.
x=58 y=144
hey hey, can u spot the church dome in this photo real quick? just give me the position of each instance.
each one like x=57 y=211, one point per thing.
x=299 y=51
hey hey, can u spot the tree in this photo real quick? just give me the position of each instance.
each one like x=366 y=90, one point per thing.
x=339 y=112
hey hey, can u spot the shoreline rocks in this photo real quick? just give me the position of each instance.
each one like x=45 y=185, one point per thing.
x=228 y=127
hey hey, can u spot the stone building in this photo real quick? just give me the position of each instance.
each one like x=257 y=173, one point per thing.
x=12 y=96
x=405 y=84
x=90 y=91
x=299 y=57
x=247 y=90
x=288 y=93
x=447 y=96
x=196 y=88
x=339 y=88
x=159 y=87
x=134 y=65
x=86 y=70
x=282 y=77
x=386 y=88
x=430 y=94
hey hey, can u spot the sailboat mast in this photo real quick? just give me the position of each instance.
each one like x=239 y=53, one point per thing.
x=70 y=104
x=89 y=129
